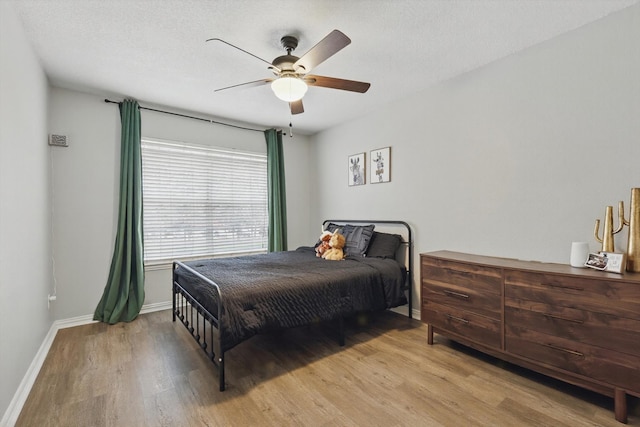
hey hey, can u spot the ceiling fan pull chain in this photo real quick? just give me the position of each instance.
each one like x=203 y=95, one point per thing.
x=290 y=130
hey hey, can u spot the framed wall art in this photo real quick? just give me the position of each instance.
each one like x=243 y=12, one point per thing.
x=380 y=165
x=357 y=169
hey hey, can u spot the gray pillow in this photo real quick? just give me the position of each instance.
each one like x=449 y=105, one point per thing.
x=357 y=237
x=384 y=245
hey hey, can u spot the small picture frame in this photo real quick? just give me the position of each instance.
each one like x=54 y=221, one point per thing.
x=380 y=165
x=356 y=169
x=616 y=262
x=597 y=261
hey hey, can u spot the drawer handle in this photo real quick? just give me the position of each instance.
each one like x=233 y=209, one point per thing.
x=459 y=319
x=456 y=294
x=553 y=316
x=573 y=288
x=571 y=352
x=459 y=273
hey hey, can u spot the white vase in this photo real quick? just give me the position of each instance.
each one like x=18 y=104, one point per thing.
x=579 y=254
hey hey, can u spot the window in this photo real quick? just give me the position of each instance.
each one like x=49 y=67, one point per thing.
x=201 y=201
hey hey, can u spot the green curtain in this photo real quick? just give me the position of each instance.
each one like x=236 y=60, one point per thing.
x=277 y=195
x=124 y=293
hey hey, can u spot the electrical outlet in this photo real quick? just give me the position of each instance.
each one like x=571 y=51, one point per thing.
x=49 y=299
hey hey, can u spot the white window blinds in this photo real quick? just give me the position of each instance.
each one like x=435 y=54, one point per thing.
x=202 y=201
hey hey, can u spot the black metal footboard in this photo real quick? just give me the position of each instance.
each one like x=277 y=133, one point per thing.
x=204 y=327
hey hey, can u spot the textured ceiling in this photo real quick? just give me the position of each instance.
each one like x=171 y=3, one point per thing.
x=155 y=51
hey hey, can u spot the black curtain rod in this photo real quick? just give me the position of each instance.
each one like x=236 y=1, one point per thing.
x=190 y=117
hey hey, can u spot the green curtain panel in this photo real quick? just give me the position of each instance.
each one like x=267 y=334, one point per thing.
x=124 y=293
x=277 y=195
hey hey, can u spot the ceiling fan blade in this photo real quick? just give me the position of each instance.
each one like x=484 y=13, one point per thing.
x=242 y=50
x=296 y=107
x=326 y=48
x=334 y=83
x=247 y=84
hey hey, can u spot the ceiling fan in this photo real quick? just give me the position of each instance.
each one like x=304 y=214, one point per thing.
x=292 y=76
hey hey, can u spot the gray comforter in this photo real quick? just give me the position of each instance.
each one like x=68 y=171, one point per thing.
x=289 y=289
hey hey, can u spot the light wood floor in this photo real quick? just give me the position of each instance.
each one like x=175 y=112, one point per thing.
x=150 y=372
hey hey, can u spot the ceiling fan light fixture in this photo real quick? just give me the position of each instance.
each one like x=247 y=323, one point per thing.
x=289 y=88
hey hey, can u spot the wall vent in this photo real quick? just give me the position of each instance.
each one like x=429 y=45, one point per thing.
x=58 y=140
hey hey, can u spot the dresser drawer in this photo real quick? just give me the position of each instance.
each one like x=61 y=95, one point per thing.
x=485 y=279
x=472 y=287
x=616 y=298
x=471 y=300
x=477 y=328
x=611 y=367
x=602 y=330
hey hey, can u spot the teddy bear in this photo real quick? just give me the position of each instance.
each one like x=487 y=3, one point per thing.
x=323 y=246
x=335 y=253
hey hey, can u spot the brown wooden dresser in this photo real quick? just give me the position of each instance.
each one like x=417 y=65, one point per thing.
x=578 y=325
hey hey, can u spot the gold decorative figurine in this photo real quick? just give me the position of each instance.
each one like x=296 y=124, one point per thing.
x=633 y=245
x=608 y=232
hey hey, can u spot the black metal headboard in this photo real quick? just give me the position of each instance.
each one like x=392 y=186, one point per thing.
x=407 y=241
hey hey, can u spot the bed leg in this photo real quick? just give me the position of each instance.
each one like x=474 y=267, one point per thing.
x=341 y=331
x=174 y=304
x=173 y=289
x=221 y=370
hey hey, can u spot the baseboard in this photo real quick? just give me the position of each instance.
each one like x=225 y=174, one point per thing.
x=158 y=306
x=87 y=319
x=415 y=314
x=20 y=397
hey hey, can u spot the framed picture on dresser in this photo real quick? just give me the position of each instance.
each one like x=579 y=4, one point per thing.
x=616 y=262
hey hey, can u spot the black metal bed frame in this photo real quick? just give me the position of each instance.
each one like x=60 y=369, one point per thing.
x=206 y=328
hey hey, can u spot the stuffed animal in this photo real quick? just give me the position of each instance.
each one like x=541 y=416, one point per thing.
x=323 y=246
x=337 y=243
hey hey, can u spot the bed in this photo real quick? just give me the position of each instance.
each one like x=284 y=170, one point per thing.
x=225 y=301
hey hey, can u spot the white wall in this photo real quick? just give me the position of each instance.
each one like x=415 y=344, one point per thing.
x=86 y=191
x=516 y=159
x=25 y=238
